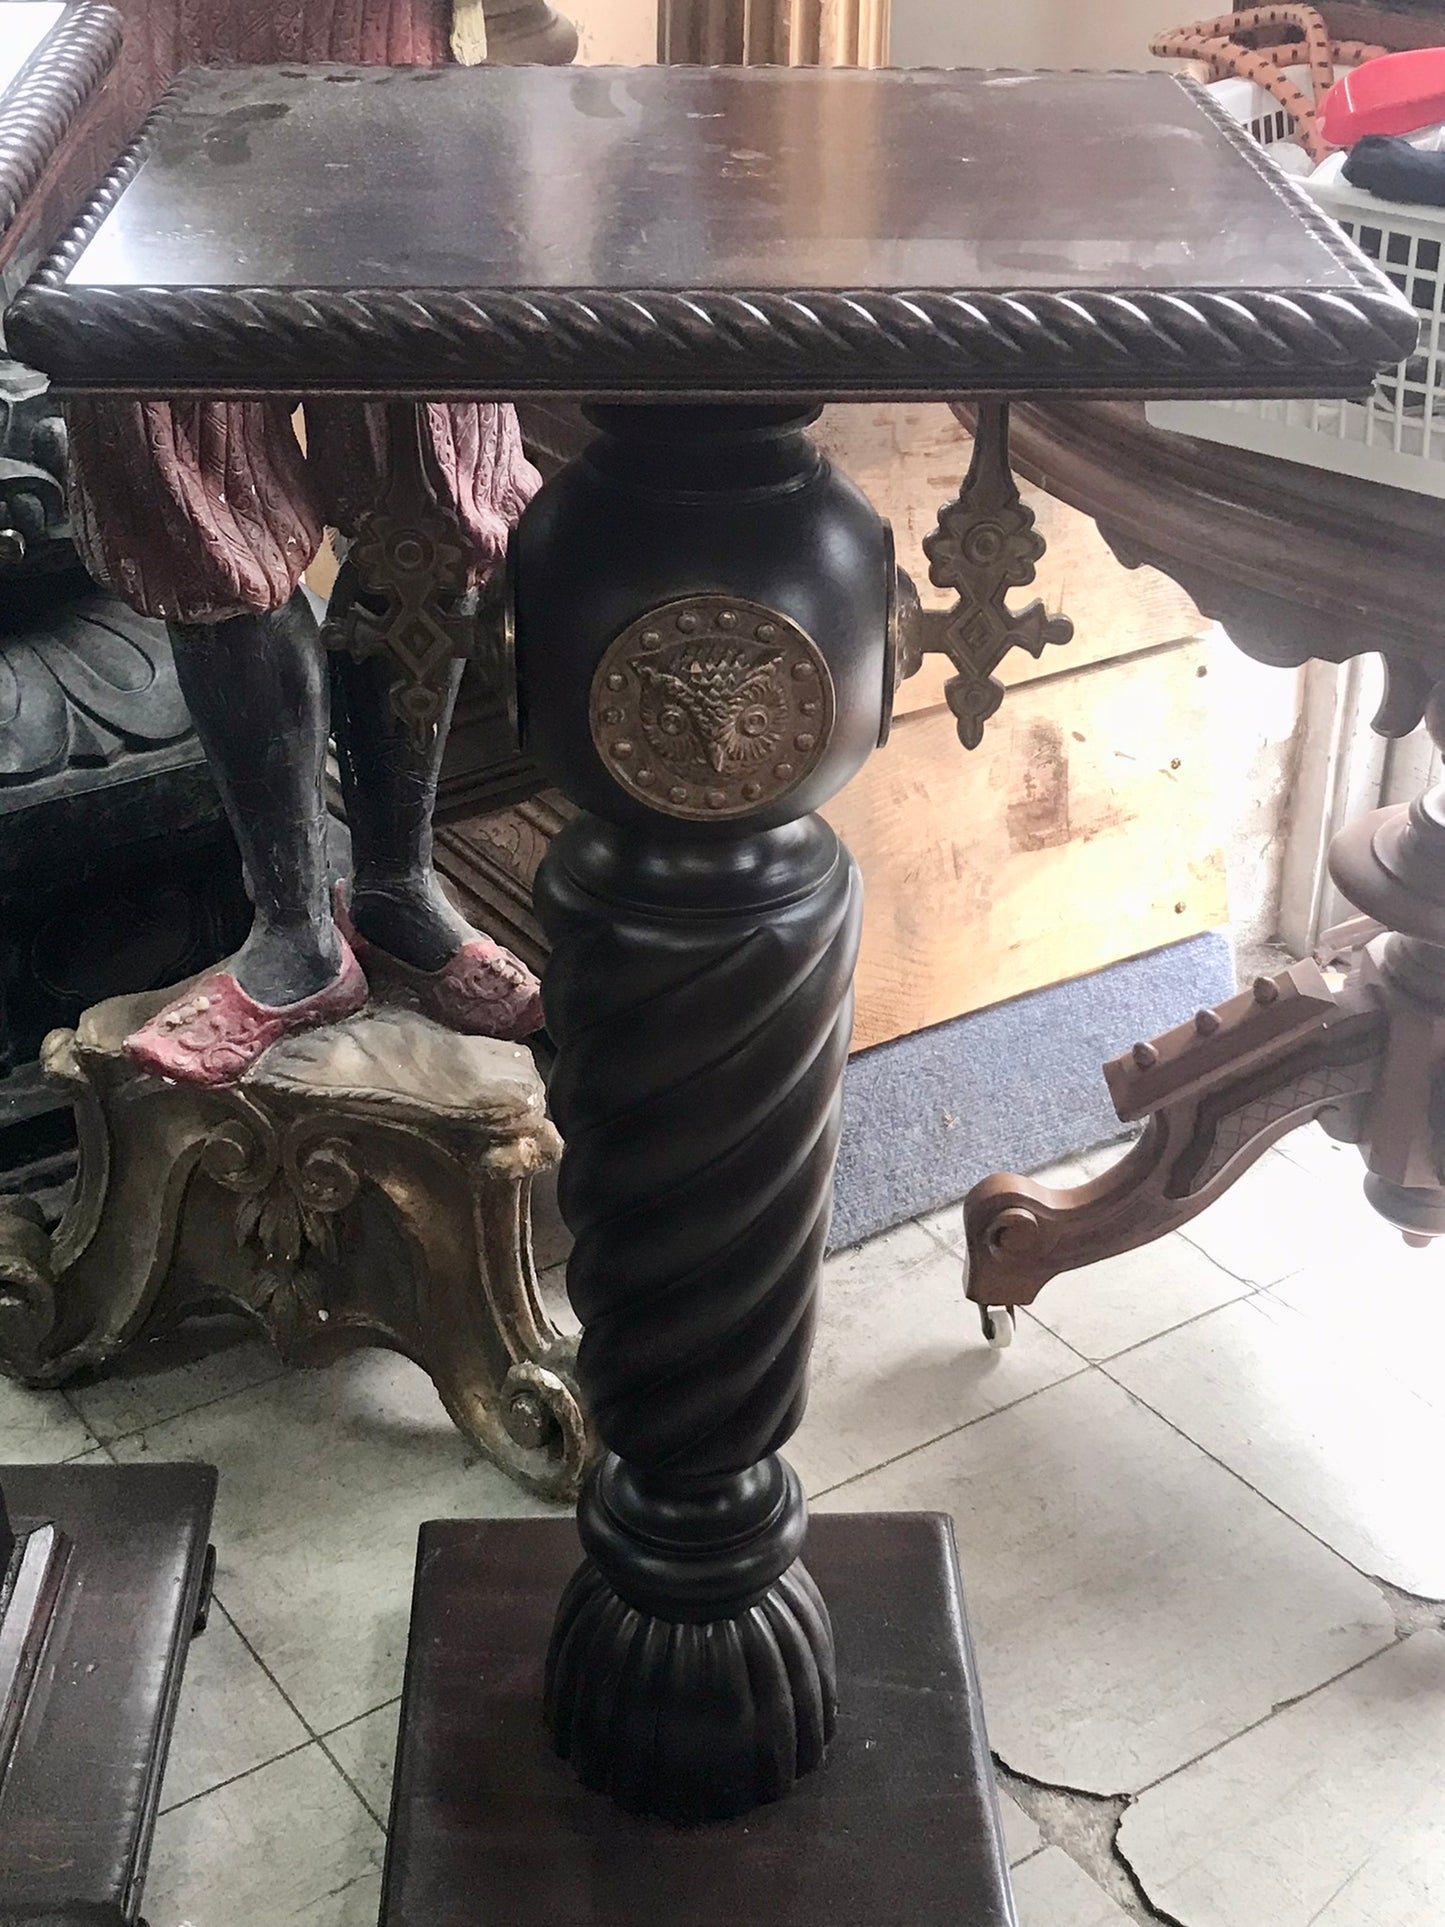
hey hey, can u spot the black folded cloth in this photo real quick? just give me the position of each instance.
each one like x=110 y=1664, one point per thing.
x=1386 y=165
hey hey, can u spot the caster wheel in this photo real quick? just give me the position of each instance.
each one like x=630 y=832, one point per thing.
x=998 y=1325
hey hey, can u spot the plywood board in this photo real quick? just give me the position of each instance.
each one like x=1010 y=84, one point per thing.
x=910 y=458
x=1083 y=831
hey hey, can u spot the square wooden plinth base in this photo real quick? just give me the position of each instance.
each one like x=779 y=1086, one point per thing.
x=489 y=1829
x=78 y=1797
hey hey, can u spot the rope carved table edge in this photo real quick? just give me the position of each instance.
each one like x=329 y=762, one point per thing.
x=43 y=103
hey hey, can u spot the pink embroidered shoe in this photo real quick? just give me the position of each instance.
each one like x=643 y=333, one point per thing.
x=214 y=1033
x=482 y=991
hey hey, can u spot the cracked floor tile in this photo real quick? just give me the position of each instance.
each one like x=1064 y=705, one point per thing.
x=900 y=1358
x=289 y=1843
x=1295 y=1409
x=230 y=1719
x=1275 y=1220
x=1106 y=1308
x=1020 y=1832
x=1051 y=1891
x=1331 y=1814
x=1133 y=1603
x=38 y=1428
x=325 y=1477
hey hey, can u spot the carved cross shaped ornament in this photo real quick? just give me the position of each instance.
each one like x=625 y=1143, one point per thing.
x=986 y=544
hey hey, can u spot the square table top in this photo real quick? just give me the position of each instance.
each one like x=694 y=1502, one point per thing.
x=708 y=232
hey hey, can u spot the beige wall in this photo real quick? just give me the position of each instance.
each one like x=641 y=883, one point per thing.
x=951 y=33
x=614 y=30
x=1032 y=33
x=979 y=33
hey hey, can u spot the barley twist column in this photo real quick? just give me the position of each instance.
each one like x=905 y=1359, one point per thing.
x=701 y=610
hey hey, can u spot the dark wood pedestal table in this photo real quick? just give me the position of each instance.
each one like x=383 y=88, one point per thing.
x=708 y=625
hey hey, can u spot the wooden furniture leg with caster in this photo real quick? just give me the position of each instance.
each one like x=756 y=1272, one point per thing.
x=1365 y=1059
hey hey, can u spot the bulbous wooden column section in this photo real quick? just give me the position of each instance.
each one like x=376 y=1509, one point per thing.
x=701 y=612
x=783 y=33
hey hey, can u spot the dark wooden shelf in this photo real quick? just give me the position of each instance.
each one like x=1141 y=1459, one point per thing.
x=78 y=1797
x=709 y=232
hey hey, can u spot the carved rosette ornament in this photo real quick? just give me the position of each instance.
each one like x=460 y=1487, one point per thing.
x=291 y=1184
x=710 y=707
x=986 y=544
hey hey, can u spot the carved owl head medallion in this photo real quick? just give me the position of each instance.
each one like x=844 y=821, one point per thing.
x=711 y=707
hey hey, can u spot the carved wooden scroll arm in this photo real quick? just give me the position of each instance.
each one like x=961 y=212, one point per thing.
x=1217 y=1093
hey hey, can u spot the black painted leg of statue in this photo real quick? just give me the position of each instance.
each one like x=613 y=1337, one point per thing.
x=256 y=688
x=390 y=784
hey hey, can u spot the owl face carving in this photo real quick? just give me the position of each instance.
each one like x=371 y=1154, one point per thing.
x=714 y=702
x=711 y=707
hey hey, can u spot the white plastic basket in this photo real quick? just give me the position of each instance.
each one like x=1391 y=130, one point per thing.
x=1257 y=108
x=1397 y=435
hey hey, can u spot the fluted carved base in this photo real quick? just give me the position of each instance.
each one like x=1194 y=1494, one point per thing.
x=691 y=1673
x=692 y=1720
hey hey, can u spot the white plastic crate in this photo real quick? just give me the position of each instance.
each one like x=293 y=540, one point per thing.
x=1397 y=435
x=1257 y=108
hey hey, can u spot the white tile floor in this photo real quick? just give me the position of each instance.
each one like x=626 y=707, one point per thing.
x=1199 y=1506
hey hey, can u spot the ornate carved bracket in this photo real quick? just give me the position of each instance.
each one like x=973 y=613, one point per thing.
x=1217 y=1093
x=413 y=569
x=985 y=544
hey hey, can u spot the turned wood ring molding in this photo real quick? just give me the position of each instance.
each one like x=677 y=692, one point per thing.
x=711 y=707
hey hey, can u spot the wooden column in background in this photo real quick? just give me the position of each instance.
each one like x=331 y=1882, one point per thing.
x=787 y=33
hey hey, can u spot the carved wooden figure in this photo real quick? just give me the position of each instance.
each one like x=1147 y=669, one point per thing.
x=426 y=494
x=204 y=510
x=708 y=624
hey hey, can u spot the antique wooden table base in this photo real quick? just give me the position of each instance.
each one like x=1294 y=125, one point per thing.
x=708 y=625
x=1296 y=562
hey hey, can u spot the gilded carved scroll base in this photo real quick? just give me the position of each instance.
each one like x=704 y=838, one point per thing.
x=366 y=1184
